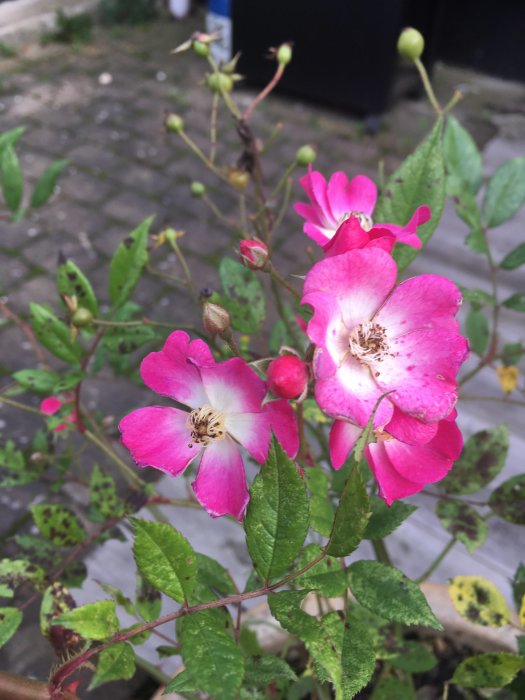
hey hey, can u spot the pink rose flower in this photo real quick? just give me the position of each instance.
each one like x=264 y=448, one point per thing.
x=374 y=337
x=224 y=401
x=333 y=202
x=402 y=467
x=51 y=405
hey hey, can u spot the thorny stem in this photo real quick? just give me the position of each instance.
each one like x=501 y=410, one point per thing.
x=85 y=362
x=437 y=561
x=428 y=86
x=64 y=671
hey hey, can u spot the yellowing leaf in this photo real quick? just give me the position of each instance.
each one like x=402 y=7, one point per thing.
x=522 y=612
x=508 y=378
x=479 y=601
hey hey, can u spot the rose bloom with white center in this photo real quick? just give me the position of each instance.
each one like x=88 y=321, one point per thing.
x=225 y=411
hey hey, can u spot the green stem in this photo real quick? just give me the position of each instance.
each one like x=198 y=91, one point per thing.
x=213 y=127
x=437 y=561
x=152 y=670
x=284 y=207
x=22 y=406
x=428 y=86
x=242 y=213
x=217 y=212
x=200 y=155
x=125 y=469
x=185 y=268
x=279 y=278
x=142 y=322
x=228 y=101
x=291 y=329
x=381 y=552
x=456 y=97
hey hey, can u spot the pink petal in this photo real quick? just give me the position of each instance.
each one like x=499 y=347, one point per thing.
x=425 y=301
x=409 y=429
x=337 y=196
x=308 y=212
x=233 y=387
x=158 y=436
x=420 y=464
x=421 y=368
x=173 y=372
x=320 y=234
x=349 y=235
x=408 y=234
x=317 y=192
x=284 y=425
x=361 y=194
x=220 y=486
x=392 y=485
x=252 y=430
x=50 y=405
x=360 y=281
x=326 y=328
x=343 y=437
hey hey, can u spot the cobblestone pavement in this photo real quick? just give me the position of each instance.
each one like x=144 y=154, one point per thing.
x=124 y=167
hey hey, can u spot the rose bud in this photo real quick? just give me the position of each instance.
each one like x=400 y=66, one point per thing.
x=215 y=319
x=254 y=254
x=287 y=377
x=410 y=43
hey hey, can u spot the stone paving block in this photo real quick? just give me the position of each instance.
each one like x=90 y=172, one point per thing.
x=16 y=235
x=44 y=252
x=143 y=180
x=33 y=164
x=71 y=218
x=85 y=187
x=40 y=289
x=130 y=208
x=95 y=157
x=12 y=270
x=55 y=143
x=107 y=242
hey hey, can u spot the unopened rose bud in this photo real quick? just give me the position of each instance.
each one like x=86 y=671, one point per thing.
x=238 y=178
x=197 y=189
x=220 y=82
x=254 y=254
x=305 y=155
x=82 y=317
x=410 y=43
x=201 y=48
x=287 y=377
x=174 y=123
x=215 y=319
x=284 y=54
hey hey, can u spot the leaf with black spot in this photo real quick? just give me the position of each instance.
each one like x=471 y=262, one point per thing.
x=15 y=470
x=479 y=601
x=127 y=263
x=15 y=572
x=72 y=282
x=508 y=500
x=464 y=522
x=58 y=525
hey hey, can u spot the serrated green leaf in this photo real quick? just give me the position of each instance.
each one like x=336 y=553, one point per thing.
x=262 y=671
x=103 y=496
x=39 y=381
x=117 y=663
x=243 y=296
x=285 y=606
x=58 y=525
x=514 y=259
x=96 y=621
x=10 y=620
x=493 y=670
x=390 y=688
x=46 y=183
x=117 y=595
x=464 y=522
x=479 y=601
x=321 y=509
x=212 y=580
x=505 y=193
x=72 y=282
x=419 y=180
x=14 y=572
x=477 y=328
x=385 y=519
x=49 y=557
x=481 y=460
x=516 y=302
x=512 y=353
x=508 y=500
x=327 y=576
x=182 y=683
x=125 y=340
x=165 y=558
x=56 y=601
x=358 y=657
x=411 y=656
x=326 y=650
x=477 y=296
x=11 y=178
x=54 y=335
x=387 y=592
x=127 y=263
x=277 y=518
x=351 y=517
x=462 y=157
x=210 y=654
x=149 y=600
x=14 y=471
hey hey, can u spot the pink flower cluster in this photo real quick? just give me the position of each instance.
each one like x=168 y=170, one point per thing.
x=381 y=349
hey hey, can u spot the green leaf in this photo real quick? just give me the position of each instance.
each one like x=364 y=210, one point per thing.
x=277 y=518
x=103 y=497
x=505 y=193
x=118 y=596
x=10 y=620
x=327 y=576
x=96 y=621
x=477 y=328
x=46 y=183
x=412 y=657
x=263 y=670
x=479 y=601
x=387 y=592
x=13 y=468
x=285 y=606
x=512 y=353
x=462 y=157
x=477 y=296
x=165 y=558
x=468 y=211
x=385 y=519
x=117 y=663
x=508 y=500
x=389 y=688
x=56 y=601
x=11 y=177
x=518 y=585
x=321 y=508
x=464 y=522
x=327 y=649
x=54 y=335
x=358 y=657
x=49 y=557
x=39 y=381
x=69 y=381
x=72 y=282
x=149 y=600
x=516 y=302
x=211 y=656
x=493 y=670
x=243 y=296
x=419 y=180
x=14 y=572
x=127 y=263
x=514 y=259
x=182 y=683
x=481 y=460
x=9 y=138
x=125 y=340
x=212 y=579
x=58 y=525
x=351 y=517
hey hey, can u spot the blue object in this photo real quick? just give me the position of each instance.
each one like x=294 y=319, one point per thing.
x=220 y=7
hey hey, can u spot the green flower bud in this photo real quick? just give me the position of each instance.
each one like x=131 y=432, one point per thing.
x=305 y=155
x=218 y=82
x=82 y=317
x=174 y=123
x=410 y=43
x=201 y=49
x=284 y=54
x=197 y=189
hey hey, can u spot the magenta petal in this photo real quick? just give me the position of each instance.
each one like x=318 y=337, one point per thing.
x=172 y=371
x=220 y=486
x=308 y=212
x=284 y=426
x=233 y=387
x=158 y=436
x=343 y=436
x=409 y=429
x=337 y=196
x=320 y=234
x=418 y=463
x=349 y=235
x=252 y=431
x=50 y=405
x=392 y=485
x=408 y=234
x=326 y=328
x=318 y=194
x=361 y=194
